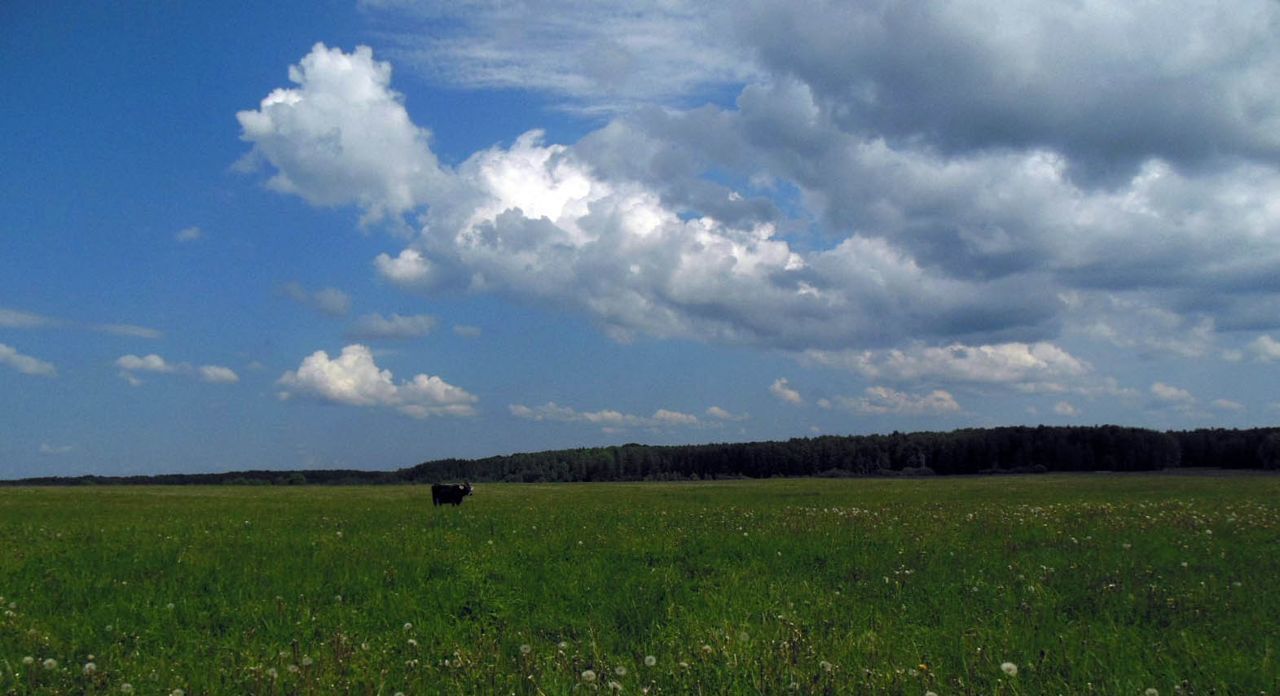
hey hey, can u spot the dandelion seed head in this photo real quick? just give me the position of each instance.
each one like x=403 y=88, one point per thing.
x=1009 y=668
x=413 y=643
x=563 y=645
x=273 y=673
x=177 y=692
x=28 y=660
x=408 y=626
x=90 y=668
x=826 y=666
x=126 y=688
x=525 y=649
x=588 y=675
x=650 y=660
x=614 y=686
x=1151 y=692
x=306 y=661
x=50 y=663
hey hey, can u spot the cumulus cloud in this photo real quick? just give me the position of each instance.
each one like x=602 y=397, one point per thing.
x=376 y=326
x=605 y=418
x=409 y=269
x=354 y=379
x=1265 y=348
x=721 y=414
x=148 y=363
x=26 y=364
x=218 y=374
x=992 y=224
x=883 y=400
x=1171 y=394
x=1065 y=408
x=1031 y=367
x=130 y=365
x=783 y=392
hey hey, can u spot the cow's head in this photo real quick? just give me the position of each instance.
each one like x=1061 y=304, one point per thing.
x=466 y=488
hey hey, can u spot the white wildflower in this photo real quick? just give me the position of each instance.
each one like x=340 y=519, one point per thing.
x=588 y=675
x=650 y=660
x=1009 y=668
x=620 y=671
x=126 y=688
x=50 y=663
x=90 y=668
x=525 y=648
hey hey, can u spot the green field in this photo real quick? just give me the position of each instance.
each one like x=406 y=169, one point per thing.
x=1113 y=584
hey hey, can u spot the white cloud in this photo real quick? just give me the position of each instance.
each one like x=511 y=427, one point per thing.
x=721 y=414
x=342 y=136
x=26 y=364
x=882 y=400
x=784 y=393
x=130 y=365
x=354 y=379
x=409 y=269
x=1265 y=348
x=466 y=330
x=46 y=448
x=218 y=374
x=189 y=234
x=1064 y=408
x=1026 y=364
x=1171 y=394
x=1228 y=405
x=608 y=419
x=149 y=363
x=375 y=326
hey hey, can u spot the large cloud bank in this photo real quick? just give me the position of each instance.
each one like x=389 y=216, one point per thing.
x=912 y=177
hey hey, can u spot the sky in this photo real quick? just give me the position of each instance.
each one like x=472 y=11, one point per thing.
x=341 y=234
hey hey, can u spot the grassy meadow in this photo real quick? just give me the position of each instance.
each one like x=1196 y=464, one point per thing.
x=1111 y=584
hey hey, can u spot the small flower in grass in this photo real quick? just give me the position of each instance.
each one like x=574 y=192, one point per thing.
x=408 y=626
x=614 y=686
x=177 y=692
x=707 y=649
x=90 y=668
x=413 y=643
x=650 y=660
x=293 y=669
x=588 y=675
x=273 y=673
x=563 y=645
x=1009 y=668
x=307 y=661
x=826 y=666
x=169 y=606
x=126 y=688
x=28 y=660
x=50 y=663
x=525 y=648
x=1151 y=692
x=930 y=693
x=620 y=671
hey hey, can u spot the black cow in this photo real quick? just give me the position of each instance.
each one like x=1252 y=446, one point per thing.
x=449 y=493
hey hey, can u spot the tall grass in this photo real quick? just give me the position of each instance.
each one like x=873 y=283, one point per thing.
x=1111 y=584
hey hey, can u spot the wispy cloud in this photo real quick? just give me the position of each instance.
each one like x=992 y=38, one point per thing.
x=26 y=364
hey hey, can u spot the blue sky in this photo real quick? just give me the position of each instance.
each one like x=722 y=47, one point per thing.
x=338 y=234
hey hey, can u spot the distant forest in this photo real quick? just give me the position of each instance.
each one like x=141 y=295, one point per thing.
x=1023 y=450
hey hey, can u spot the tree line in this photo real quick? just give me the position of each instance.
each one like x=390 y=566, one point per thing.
x=968 y=451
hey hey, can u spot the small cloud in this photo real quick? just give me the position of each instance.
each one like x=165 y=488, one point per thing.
x=189 y=234
x=218 y=374
x=1265 y=348
x=882 y=400
x=330 y=301
x=354 y=379
x=14 y=319
x=149 y=363
x=375 y=326
x=127 y=330
x=666 y=417
x=466 y=331
x=785 y=393
x=721 y=414
x=1171 y=394
x=1228 y=405
x=408 y=270
x=26 y=364
x=46 y=448
x=1063 y=408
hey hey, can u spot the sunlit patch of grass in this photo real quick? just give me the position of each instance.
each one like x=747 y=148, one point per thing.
x=1049 y=584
